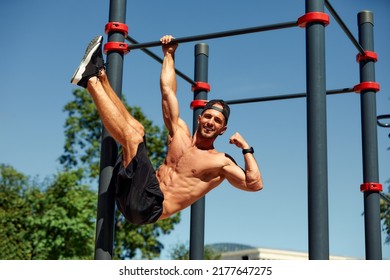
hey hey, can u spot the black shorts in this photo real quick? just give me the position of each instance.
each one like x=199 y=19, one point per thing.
x=137 y=190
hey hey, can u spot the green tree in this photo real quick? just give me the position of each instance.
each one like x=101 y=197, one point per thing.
x=385 y=214
x=49 y=220
x=82 y=149
x=181 y=252
x=385 y=210
x=13 y=211
x=63 y=219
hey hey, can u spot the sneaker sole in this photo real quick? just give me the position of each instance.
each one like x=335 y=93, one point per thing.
x=92 y=47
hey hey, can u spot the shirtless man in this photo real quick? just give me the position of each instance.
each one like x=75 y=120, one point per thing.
x=192 y=167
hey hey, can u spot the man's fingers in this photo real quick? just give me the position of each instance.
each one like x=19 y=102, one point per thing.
x=166 y=39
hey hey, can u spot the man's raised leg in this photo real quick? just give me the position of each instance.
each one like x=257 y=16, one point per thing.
x=126 y=130
x=90 y=74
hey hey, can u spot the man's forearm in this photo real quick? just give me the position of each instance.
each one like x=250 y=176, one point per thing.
x=252 y=173
x=168 y=74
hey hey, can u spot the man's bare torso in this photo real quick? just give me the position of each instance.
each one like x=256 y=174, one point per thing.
x=188 y=173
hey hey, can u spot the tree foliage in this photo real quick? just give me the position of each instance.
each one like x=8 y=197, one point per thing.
x=385 y=215
x=130 y=239
x=182 y=252
x=385 y=211
x=13 y=212
x=49 y=220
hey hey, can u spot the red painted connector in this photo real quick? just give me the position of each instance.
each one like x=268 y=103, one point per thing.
x=116 y=46
x=198 y=104
x=117 y=27
x=366 y=86
x=368 y=55
x=201 y=86
x=374 y=187
x=313 y=17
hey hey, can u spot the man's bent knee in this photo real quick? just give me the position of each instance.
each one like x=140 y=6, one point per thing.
x=130 y=147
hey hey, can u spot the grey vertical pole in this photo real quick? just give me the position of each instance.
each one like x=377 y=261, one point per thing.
x=198 y=208
x=109 y=149
x=317 y=136
x=369 y=141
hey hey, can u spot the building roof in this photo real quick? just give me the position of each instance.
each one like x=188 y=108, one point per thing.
x=234 y=251
x=229 y=247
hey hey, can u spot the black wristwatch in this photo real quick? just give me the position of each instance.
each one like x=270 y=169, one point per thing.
x=250 y=150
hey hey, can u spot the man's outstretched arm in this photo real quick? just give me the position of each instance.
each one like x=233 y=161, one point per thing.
x=170 y=106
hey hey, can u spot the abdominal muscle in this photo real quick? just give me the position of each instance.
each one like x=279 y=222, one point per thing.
x=188 y=178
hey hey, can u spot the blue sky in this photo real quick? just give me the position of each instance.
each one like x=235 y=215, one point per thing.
x=43 y=42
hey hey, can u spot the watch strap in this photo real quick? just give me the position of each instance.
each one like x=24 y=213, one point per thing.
x=250 y=150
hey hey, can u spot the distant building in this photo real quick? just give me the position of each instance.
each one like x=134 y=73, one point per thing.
x=233 y=251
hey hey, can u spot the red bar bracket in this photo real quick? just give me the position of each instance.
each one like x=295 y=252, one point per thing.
x=201 y=86
x=366 y=86
x=368 y=55
x=198 y=104
x=117 y=27
x=313 y=17
x=374 y=187
x=116 y=46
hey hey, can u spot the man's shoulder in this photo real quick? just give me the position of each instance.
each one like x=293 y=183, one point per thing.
x=182 y=124
x=230 y=157
x=180 y=130
x=183 y=127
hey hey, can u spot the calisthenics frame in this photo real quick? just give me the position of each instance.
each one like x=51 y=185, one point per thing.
x=314 y=22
